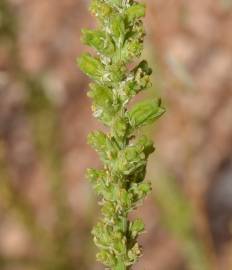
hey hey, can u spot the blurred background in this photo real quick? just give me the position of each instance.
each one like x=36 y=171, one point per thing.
x=47 y=207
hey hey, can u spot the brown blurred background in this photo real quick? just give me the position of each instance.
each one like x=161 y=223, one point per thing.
x=47 y=208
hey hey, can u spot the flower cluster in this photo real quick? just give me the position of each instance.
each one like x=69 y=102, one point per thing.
x=120 y=185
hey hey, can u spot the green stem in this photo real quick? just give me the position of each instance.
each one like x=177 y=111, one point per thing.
x=121 y=266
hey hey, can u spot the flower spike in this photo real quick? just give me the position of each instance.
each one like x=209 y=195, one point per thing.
x=120 y=185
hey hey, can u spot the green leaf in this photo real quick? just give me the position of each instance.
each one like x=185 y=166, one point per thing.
x=100 y=9
x=132 y=159
x=109 y=211
x=118 y=29
x=125 y=200
x=117 y=72
x=94 y=175
x=98 y=40
x=91 y=66
x=106 y=258
x=103 y=145
x=115 y=3
x=135 y=12
x=99 y=180
x=145 y=112
x=105 y=103
x=120 y=128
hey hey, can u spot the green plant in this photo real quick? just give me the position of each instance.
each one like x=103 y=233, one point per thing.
x=120 y=184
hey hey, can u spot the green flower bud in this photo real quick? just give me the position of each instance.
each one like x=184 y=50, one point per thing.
x=125 y=200
x=136 y=228
x=134 y=48
x=140 y=190
x=119 y=244
x=134 y=253
x=108 y=210
x=145 y=145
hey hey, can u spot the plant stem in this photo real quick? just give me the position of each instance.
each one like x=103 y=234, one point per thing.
x=121 y=266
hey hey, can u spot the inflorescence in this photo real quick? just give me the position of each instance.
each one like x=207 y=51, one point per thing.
x=120 y=185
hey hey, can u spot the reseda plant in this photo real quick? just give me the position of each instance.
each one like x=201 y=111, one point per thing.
x=120 y=185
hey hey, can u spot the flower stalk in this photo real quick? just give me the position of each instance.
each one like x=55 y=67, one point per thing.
x=120 y=185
